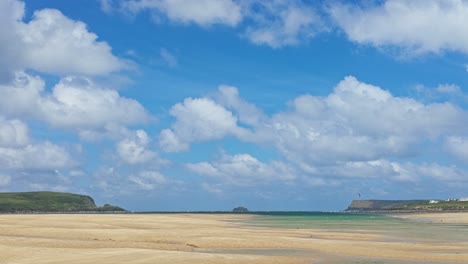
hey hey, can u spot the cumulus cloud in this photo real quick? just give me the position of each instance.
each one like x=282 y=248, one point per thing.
x=248 y=113
x=201 y=12
x=360 y=122
x=74 y=103
x=197 y=120
x=282 y=23
x=458 y=146
x=39 y=156
x=134 y=150
x=148 y=180
x=11 y=11
x=243 y=169
x=29 y=161
x=51 y=43
x=13 y=133
x=113 y=181
x=78 y=102
x=56 y=44
x=275 y=23
x=448 y=88
x=357 y=131
x=419 y=26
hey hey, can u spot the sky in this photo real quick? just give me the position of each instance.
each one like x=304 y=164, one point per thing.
x=175 y=105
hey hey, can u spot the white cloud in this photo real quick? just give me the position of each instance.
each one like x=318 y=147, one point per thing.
x=52 y=43
x=148 y=180
x=418 y=26
x=201 y=12
x=134 y=150
x=282 y=23
x=13 y=133
x=113 y=181
x=275 y=23
x=197 y=120
x=243 y=169
x=11 y=11
x=56 y=44
x=39 y=156
x=248 y=113
x=357 y=131
x=439 y=172
x=77 y=102
x=385 y=170
x=107 y=5
x=448 y=88
x=4 y=180
x=359 y=122
x=458 y=146
x=168 y=58
x=373 y=169
x=31 y=162
x=74 y=103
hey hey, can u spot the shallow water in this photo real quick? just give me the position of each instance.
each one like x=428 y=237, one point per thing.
x=392 y=228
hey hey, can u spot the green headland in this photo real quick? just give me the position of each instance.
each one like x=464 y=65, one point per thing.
x=408 y=205
x=38 y=202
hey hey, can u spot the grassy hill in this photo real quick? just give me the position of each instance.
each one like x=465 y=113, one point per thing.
x=50 y=202
x=406 y=205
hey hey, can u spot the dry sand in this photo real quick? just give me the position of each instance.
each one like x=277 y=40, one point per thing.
x=194 y=238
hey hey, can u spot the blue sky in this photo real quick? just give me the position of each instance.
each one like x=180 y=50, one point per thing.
x=207 y=105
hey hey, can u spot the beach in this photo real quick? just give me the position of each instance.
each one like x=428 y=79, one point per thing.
x=220 y=238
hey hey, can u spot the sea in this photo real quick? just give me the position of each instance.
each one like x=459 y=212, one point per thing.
x=393 y=227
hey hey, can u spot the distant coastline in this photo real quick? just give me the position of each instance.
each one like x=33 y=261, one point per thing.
x=407 y=206
x=52 y=202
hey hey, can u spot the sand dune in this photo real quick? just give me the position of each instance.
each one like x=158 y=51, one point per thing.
x=189 y=238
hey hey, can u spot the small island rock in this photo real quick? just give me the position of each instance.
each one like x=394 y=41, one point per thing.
x=240 y=209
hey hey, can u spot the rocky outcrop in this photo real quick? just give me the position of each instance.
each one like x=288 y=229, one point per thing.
x=240 y=209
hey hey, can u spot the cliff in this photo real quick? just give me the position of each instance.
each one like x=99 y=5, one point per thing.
x=50 y=202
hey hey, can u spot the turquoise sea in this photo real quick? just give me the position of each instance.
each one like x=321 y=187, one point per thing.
x=386 y=228
x=392 y=227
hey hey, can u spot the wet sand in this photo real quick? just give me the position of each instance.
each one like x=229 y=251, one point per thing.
x=202 y=238
x=449 y=218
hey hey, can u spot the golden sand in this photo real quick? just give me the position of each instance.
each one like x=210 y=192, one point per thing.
x=194 y=238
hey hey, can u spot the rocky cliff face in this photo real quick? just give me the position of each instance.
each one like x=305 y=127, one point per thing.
x=88 y=201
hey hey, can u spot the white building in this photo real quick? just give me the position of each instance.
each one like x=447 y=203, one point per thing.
x=463 y=199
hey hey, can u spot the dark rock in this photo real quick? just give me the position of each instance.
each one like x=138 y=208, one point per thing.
x=240 y=209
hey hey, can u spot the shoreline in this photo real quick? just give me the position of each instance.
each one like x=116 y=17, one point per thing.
x=460 y=217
